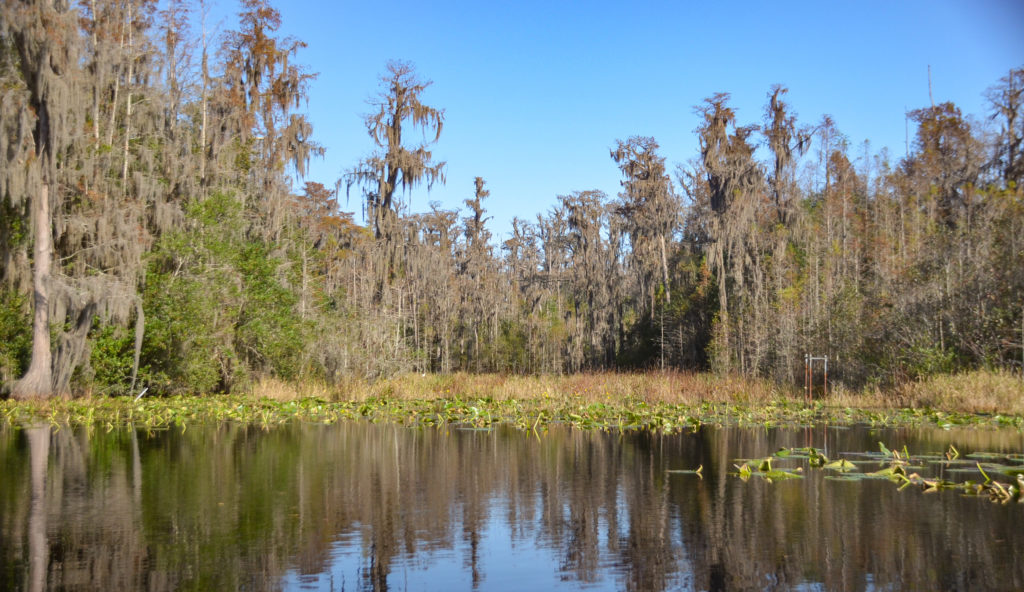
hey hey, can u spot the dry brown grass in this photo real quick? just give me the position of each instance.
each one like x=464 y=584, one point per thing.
x=652 y=387
x=980 y=391
x=971 y=392
x=975 y=392
x=279 y=390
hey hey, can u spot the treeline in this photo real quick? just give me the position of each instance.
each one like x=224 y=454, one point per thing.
x=152 y=234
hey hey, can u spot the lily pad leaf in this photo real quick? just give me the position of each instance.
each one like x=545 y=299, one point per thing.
x=841 y=465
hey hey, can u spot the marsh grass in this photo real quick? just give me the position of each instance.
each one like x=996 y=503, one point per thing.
x=972 y=392
x=279 y=390
x=979 y=391
x=664 y=402
x=653 y=387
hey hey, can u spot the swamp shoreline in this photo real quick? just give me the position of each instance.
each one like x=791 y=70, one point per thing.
x=664 y=402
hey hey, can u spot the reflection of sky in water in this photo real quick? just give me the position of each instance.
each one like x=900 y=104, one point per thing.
x=519 y=548
x=301 y=507
x=510 y=557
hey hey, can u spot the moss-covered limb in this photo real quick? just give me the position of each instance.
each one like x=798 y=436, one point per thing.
x=527 y=414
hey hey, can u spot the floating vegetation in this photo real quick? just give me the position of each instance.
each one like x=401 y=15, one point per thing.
x=763 y=468
x=841 y=465
x=699 y=471
x=898 y=468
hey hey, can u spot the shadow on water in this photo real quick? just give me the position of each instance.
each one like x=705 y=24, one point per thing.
x=361 y=506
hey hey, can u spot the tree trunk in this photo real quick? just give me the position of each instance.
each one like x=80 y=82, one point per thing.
x=203 y=100
x=38 y=549
x=36 y=384
x=128 y=103
x=664 y=271
x=140 y=332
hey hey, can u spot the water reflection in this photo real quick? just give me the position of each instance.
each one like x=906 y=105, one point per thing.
x=360 y=506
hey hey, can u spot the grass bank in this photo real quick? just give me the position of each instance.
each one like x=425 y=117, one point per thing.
x=658 y=401
x=984 y=392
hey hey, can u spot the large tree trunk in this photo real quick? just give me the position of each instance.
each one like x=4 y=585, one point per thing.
x=38 y=550
x=37 y=383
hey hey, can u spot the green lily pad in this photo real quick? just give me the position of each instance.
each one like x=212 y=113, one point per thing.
x=893 y=471
x=841 y=465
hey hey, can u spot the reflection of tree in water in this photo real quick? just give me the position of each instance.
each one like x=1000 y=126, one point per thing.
x=232 y=507
x=82 y=499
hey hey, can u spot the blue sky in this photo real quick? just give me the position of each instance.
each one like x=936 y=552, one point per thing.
x=535 y=93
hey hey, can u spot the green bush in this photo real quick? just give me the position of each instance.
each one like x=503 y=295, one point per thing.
x=15 y=337
x=216 y=311
x=111 y=356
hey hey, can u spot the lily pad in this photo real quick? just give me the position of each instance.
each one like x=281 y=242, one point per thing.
x=699 y=471
x=841 y=465
x=986 y=456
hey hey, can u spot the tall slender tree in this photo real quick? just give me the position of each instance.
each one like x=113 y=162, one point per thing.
x=1007 y=105
x=651 y=211
x=395 y=167
x=732 y=177
x=787 y=143
x=263 y=87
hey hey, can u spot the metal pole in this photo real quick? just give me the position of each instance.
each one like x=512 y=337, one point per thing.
x=826 y=376
x=807 y=378
x=810 y=377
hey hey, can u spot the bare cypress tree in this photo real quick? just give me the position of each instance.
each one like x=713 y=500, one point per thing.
x=475 y=271
x=394 y=166
x=785 y=141
x=947 y=163
x=731 y=175
x=587 y=214
x=522 y=263
x=1007 y=103
x=264 y=86
x=651 y=210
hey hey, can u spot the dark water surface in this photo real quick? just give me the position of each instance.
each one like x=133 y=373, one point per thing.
x=360 y=506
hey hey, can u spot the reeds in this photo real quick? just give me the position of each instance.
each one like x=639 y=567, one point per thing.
x=974 y=392
x=600 y=387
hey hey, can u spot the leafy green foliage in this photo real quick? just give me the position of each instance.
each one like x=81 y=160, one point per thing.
x=15 y=336
x=111 y=359
x=217 y=310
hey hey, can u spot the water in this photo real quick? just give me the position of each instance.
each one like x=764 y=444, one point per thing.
x=361 y=506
